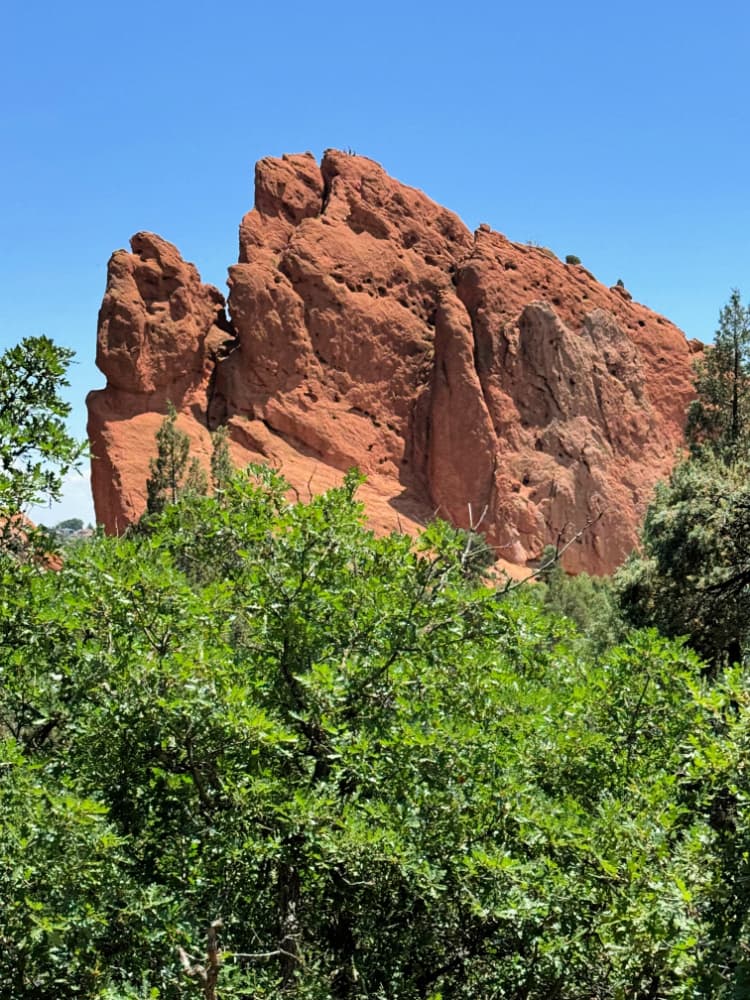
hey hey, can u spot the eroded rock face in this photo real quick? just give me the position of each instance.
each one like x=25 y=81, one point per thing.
x=464 y=373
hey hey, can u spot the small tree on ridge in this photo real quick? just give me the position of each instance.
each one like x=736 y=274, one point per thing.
x=173 y=473
x=719 y=419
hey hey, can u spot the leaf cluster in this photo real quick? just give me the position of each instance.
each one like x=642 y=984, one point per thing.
x=36 y=452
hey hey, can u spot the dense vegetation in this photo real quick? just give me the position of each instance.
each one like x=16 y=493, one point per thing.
x=692 y=574
x=250 y=750
x=383 y=780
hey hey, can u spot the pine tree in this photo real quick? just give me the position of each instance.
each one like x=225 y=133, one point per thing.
x=195 y=483
x=719 y=419
x=692 y=574
x=221 y=462
x=169 y=469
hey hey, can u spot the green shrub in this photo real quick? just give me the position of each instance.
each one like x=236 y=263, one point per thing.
x=384 y=779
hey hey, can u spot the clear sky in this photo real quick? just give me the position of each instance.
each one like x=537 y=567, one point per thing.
x=617 y=132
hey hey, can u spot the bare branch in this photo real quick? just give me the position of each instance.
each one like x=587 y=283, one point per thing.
x=260 y=956
x=472 y=526
x=559 y=553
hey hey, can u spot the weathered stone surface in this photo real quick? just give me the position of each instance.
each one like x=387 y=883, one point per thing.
x=464 y=373
x=161 y=332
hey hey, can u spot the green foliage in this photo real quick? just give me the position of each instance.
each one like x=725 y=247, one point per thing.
x=385 y=780
x=64 y=881
x=36 y=452
x=719 y=772
x=477 y=555
x=221 y=462
x=572 y=259
x=585 y=600
x=196 y=480
x=173 y=473
x=692 y=576
x=718 y=419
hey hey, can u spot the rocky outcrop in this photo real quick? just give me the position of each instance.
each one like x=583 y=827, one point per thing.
x=161 y=334
x=467 y=375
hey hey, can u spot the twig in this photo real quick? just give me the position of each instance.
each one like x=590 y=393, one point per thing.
x=261 y=955
x=470 y=534
x=472 y=526
x=559 y=553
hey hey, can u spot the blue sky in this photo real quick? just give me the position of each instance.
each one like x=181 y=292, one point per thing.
x=616 y=132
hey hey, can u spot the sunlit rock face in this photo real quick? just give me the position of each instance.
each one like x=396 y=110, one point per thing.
x=466 y=375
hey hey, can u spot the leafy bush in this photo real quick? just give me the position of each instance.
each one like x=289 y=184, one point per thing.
x=572 y=259
x=383 y=779
x=587 y=601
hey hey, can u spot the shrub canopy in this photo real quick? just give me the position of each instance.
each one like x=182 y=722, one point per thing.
x=383 y=779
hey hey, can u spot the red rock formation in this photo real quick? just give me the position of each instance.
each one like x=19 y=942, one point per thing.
x=160 y=333
x=464 y=373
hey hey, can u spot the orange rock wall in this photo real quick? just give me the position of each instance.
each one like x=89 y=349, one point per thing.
x=467 y=375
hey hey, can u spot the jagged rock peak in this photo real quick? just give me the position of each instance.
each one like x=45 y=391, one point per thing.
x=464 y=373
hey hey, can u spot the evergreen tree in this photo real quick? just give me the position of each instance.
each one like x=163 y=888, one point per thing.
x=172 y=472
x=196 y=480
x=221 y=462
x=692 y=576
x=720 y=416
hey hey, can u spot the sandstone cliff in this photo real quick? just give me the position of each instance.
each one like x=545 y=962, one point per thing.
x=464 y=373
